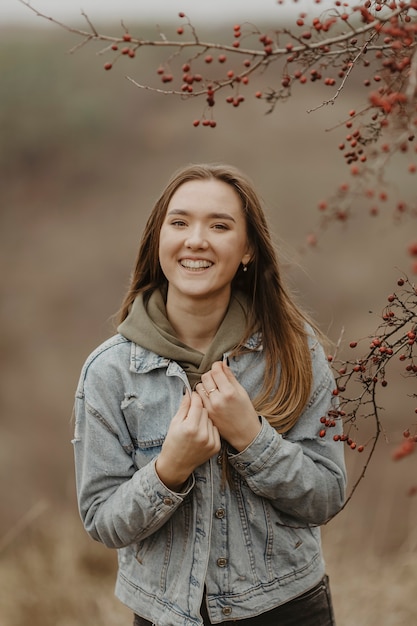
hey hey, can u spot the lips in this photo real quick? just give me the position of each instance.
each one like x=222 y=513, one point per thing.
x=195 y=264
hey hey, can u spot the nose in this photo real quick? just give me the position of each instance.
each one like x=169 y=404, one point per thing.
x=196 y=239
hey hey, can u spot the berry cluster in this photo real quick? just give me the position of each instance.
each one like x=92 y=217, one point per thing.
x=329 y=421
x=359 y=380
x=377 y=38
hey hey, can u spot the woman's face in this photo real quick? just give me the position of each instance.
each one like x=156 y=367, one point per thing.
x=203 y=240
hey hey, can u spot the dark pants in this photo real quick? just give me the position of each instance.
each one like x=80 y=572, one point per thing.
x=313 y=608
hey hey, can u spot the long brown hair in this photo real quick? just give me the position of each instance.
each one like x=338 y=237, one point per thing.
x=272 y=310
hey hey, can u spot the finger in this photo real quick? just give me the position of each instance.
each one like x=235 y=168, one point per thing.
x=221 y=375
x=184 y=406
x=202 y=394
x=196 y=405
x=227 y=371
x=211 y=431
x=216 y=436
x=208 y=383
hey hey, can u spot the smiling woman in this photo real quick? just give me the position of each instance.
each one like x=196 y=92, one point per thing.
x=197 y=445
x=203 y=241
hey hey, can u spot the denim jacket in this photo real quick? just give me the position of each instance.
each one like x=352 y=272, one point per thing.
x=251 y=544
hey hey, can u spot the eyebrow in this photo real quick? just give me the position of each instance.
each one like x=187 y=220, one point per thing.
x=215 y=215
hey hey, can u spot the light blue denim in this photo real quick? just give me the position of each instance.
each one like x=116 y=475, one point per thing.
x=254 y=545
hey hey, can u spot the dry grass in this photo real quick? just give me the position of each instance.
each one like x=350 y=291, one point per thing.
x=55 y=576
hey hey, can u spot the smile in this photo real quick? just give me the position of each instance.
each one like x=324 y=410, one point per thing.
x=190 y=264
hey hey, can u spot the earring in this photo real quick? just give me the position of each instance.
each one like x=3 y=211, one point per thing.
x=245 y=268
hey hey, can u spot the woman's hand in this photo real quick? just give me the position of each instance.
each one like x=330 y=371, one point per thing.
x=191 y=440
x=229 y=406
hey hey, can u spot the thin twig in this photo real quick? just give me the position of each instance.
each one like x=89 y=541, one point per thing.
x=346 y=76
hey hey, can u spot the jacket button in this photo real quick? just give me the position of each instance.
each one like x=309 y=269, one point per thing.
x=220 y=513
x=222 y=561
x=168 y=501
x=226 y=610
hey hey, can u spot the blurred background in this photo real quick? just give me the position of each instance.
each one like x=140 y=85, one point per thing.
x=83 y=156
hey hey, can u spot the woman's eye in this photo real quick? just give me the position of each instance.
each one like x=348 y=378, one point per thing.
x=220 y=227
x=178 y=223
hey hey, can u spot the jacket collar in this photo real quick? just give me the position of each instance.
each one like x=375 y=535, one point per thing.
x=143 y=360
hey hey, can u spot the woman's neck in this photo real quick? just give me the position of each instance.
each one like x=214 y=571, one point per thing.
x=196 y=323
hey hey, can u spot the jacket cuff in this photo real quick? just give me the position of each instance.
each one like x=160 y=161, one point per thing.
x=166 y=494
x=253 y=458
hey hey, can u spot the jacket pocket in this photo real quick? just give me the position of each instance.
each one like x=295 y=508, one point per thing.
x=295 y=547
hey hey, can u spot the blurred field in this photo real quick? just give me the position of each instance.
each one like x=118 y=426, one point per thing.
x=83 y=156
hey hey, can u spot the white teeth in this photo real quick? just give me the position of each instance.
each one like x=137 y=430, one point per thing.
x=195 y=265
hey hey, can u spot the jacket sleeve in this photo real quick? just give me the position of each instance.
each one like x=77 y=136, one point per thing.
x=118 y=503
x=301 y=473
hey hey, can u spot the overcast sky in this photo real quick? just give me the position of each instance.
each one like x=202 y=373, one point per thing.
x=12 y=11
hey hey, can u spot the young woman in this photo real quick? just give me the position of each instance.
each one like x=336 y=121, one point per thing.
x=197 y=444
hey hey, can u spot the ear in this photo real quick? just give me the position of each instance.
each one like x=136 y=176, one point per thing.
x=246 y=258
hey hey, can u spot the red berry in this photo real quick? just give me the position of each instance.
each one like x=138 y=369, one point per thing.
x=108 y=66
x=311 y=239
x=412 y=249
x=127 y=37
